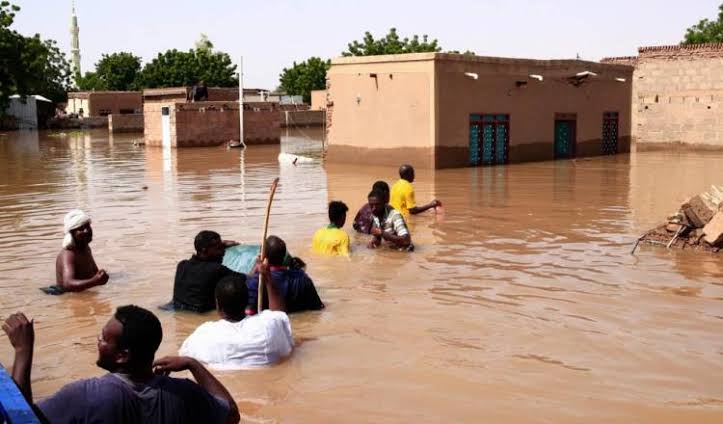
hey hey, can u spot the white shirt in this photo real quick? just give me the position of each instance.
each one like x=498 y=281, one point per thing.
x=253 y=342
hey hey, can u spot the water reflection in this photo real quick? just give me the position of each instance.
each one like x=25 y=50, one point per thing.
x=520 y=297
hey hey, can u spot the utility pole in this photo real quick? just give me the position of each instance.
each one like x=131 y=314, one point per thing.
x=241 y=101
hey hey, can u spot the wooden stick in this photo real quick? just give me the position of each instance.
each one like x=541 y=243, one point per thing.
x=260 y=304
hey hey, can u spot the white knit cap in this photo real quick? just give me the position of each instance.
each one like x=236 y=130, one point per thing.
x=73 y=219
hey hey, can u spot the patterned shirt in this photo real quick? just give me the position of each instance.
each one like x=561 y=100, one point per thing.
x=392 y=222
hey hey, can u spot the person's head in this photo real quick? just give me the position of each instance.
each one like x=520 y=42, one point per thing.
x=377 y=202
x=129 y=340
x=407 y=172
x=78 y=232
x=202 y=83
x=383 y=187
x=231 y=297
x=337 y=213
x=275 y=250
x=209 y=246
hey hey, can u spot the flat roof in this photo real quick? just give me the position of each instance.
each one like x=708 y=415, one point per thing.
x=454 y=57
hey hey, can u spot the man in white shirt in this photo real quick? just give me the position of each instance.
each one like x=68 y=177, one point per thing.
x=235 y=342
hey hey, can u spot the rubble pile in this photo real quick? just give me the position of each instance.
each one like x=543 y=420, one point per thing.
x=697 y=225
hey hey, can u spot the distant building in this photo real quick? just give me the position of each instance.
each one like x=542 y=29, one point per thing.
x=215 y=94
x=450 y=110
x=677 y=95
x=104 y=103
x=29 y=112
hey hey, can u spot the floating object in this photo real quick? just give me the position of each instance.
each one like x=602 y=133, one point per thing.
x=293 y=159
x=54 y=290
x=241 y=258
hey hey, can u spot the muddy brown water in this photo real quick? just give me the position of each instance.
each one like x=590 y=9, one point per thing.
x=522 y=302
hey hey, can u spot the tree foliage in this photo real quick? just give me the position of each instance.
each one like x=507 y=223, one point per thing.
x=304 y=77
x=706 y=31
x=177 y=68
x=29 y=65
x=391 y=44
x=117 y=71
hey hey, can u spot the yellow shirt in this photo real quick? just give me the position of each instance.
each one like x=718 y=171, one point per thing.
x=401 y=196
x=331 y=241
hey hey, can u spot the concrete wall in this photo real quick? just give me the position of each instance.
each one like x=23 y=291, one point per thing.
x=416 y=108
x=211 y=123
x=387 y=119
x=125 y=123
x=318 y=99
x=531 y=107
x=678 y=96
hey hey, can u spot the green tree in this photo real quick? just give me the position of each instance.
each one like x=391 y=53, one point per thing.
x=29 y=65
x=177 y=68
x=91 y=81
x=706 y=31
x=117 y=71
x=302 y=78
x=391 y=44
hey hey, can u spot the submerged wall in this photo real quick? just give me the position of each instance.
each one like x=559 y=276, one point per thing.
x=211 y=123
x=125 y=123
x=678 y=96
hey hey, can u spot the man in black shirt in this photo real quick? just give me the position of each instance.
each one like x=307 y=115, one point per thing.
x=196 y=278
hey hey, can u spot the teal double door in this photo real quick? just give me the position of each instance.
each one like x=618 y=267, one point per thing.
x=489 y=139
x=565 y=138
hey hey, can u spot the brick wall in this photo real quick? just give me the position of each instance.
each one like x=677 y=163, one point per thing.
x=678 y=95
x=125 y=123
x=211 y=124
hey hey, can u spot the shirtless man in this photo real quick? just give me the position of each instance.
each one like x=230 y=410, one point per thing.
x=75 y=268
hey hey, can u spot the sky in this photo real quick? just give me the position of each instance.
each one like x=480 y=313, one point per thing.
x=272 y=34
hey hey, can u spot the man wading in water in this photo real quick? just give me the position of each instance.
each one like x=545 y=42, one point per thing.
x=388 y=224
x=136 y=389
x=402 y=194
x=75 y=268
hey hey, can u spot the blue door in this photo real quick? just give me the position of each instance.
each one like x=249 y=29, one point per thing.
x=564 y=139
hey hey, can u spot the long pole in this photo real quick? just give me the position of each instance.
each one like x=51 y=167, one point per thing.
x=241 y=101
x=260 y=300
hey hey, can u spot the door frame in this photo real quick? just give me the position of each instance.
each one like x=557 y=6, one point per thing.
x=481 y=122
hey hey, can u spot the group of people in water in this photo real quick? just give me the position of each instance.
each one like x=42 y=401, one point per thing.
x=138 y=387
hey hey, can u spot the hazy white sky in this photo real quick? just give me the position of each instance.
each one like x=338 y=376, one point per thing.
x=271 y=34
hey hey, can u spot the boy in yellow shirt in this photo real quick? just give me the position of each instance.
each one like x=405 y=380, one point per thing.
x=332 y=240
x=402 y=194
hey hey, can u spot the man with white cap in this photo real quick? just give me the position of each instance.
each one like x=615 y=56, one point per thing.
x=75 y=268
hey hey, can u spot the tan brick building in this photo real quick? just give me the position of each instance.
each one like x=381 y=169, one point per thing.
x=449 y=110
x=104 y=103
x=677 y=95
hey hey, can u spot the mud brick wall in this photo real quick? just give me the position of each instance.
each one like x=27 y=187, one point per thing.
x=211 y=124
x=678 y=95
x=125 y=123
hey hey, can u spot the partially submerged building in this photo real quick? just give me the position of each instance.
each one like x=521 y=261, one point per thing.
x=104 y=103
x=29 y=112
x=677 y=95
x=451 y=110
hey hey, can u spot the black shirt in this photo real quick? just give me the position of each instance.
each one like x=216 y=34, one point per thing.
x=195 y=283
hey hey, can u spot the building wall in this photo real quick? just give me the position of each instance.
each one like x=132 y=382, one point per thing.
x=211 y=124
x=392 y=113
x=678 y=96
x=114 y=102
x=125 y=123
x=531 y=107
x=318 y=99
x=417 y=108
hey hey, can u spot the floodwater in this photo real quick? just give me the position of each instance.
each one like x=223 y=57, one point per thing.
x=522 y=302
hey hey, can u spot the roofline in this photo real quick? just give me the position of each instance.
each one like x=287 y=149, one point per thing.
x=678 y=47
x=454 y=57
